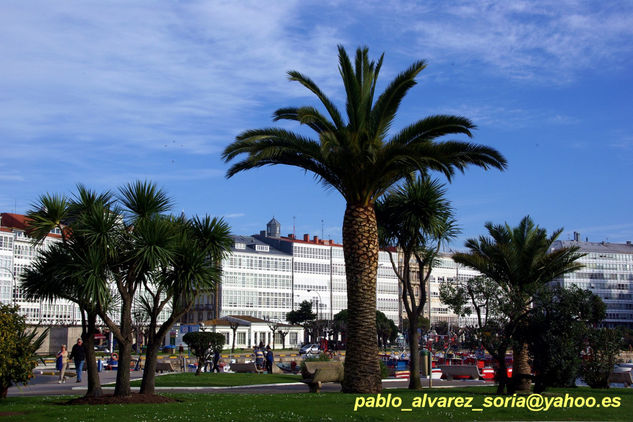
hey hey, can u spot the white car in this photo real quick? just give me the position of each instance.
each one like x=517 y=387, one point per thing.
x=310 y=349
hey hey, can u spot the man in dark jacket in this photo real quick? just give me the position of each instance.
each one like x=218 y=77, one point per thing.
x=270 y=358
x=78 y=354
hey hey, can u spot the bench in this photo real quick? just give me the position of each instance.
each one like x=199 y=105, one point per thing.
x=245 y=368
x=164 y=366
x=460 y=371
x=621 y=378
x=316 y=373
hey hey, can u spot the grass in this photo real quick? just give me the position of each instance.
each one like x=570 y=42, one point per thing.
x=219 y=380
x=313 y=407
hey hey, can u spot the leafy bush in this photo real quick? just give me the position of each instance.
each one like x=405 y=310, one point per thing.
x=384 y=371
x=17 y=349
x=203 y=345
x=598 y=362
x=323 y=357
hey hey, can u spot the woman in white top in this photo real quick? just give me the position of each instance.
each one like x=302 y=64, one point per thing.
x=63 y=355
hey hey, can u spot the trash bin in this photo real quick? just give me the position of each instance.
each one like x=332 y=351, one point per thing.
x=424 y=362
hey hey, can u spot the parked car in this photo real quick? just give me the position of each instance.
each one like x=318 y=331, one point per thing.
x=310 y=349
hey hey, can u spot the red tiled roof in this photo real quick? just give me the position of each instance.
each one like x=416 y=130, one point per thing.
x=247 y=318
x=18 y=221
x=14 y=221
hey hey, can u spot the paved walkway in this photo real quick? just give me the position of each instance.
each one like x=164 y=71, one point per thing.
x=46 y=385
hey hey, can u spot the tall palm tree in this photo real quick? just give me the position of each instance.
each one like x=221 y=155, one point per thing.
x=360 y=159
x=417 y=219
x=521 y=261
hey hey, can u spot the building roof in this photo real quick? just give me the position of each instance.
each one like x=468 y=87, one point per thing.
x=314 y=241
x=251 y=243
x=248 y=318
x=596 y=247
x=216 y=322
x=10 y=221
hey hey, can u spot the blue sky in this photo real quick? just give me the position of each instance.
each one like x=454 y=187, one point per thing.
x=104 y=93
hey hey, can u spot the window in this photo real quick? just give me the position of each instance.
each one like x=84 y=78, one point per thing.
x=241 y=338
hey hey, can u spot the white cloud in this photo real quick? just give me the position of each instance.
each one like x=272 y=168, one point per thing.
x=234 y=215
x=146 y=73
x=533 y=40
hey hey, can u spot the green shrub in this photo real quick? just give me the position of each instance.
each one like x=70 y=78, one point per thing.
x=18 y=346
x=604 y=346
x=384 y=371
x=321 y=358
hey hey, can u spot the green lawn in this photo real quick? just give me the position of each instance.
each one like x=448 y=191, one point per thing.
x=314 y=407
x=219 y=380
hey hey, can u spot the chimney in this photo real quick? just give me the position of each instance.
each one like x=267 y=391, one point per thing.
x=306 y=237
x=291 y=236
x=316 y=239
x=262 y=233
x=576 y=237
x=628 y=242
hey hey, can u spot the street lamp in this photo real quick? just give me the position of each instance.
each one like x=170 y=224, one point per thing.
x=320 y=301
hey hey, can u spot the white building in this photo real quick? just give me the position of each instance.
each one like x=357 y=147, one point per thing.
x=608 y=273
x=17 y=253
x=251 y=331
x=319 y=273
x=445 y=271
x=256 y=280
x=448 y=271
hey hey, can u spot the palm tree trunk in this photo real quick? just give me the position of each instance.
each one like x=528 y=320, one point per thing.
x=360 y=246
x=414 y=358
x=521 y=371
x=122 y=388
x=149 y=371
x=501 y=374
x=94 y=383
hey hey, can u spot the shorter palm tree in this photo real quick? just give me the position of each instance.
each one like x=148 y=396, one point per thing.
x=416 y=218
x=521 y=261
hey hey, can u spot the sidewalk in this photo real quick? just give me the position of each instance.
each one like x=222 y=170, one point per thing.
x=46 y=385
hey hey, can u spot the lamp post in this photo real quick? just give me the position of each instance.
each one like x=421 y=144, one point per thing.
x=320 y=301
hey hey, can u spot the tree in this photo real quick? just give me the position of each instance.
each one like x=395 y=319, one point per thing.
x=233 y=325
x=17 y=349
x=203 y=345
x=274 y=327
x=487 y=300
x=283 y=334
x=129 y=248
x=199 y=246
x=358 y=158
x=302 y=315
x=340 y=324
x=71 y=269
x=603 y=346
x=521 y=261
x=415 y=218
x=559 y=322
x=387 y=330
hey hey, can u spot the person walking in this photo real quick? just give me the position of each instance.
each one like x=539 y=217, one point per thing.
x=259 y=358
x=78 y=354
x=216 y=361
x=270 y=358
x=62 y=363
